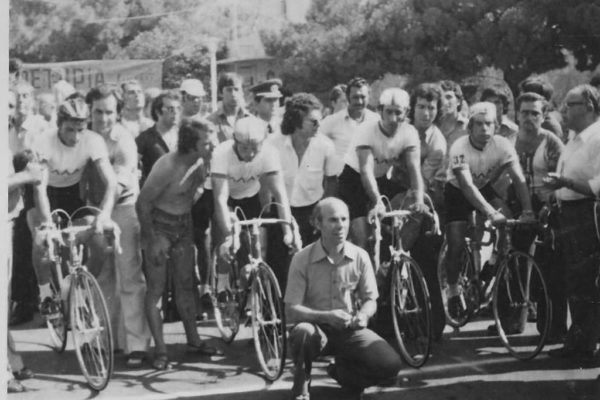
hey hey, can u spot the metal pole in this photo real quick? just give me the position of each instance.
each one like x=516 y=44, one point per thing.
x=212 y=48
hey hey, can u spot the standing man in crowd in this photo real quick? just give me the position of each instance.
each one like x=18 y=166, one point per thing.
x=331 y=295
x=342 y=126
x=121 y=279
x=162 y=137
x=451 y=122
x=266 y=103
x=164 y=207
x=578 y=182
x=338 y=99
x=132 y=114
x=232 y=107
x=192 y=92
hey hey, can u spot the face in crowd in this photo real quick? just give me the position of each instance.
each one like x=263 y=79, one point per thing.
x=482 y=124
x=358 y=99
x=25 y=101
x=425 y=113
x=531 y=116
x=170 y=113
x=449 y=103
x=233 y=96
x=104 y=115
x=310 y=123
x=191 y=104
x=133 y=97
x=266 y=107
x=333 y=221
x=71 y=130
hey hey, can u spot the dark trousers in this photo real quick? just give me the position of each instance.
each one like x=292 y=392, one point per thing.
x=581 y=251
x=24 y=282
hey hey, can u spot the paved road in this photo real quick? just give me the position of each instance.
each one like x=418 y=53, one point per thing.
x=465 y=365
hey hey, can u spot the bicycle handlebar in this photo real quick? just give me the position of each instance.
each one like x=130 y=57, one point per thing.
x=257 y=222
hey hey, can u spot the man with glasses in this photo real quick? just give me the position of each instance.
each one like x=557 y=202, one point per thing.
x=192 y=92
x=162 y=137
x=375 y=149
x=577 y=185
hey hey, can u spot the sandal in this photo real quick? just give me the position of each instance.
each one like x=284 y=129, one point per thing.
x=205 y=349
x=161 y=362
x=135 y=359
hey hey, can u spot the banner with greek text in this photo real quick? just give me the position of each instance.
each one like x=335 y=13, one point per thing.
x=84 y=75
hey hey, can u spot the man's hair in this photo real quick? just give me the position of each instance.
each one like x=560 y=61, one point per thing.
x=429 y=92
x=530 y=97
x=536 y=84
x=190 y=131
x=337 y=92
x=228 y=79
x=296 y=108
x=15 y=65
x=493 y=91
x=595 y=80
x=590 y=95
x=102 y=92
x=159 y=101
x=448 y=85
x=356 y=82
x=317 y=213
x=130 y=82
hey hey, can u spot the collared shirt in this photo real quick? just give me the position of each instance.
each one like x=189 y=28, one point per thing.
x=243 y=177
x=316 y=282
x=23 y=138
x=66 y=164
x=580 y=160
x=222 y=122
x=485 y=165
x=122 y=153
x=136 y=126
x=304 y=178
x=341 y=129
x=387 y=150
x=433 y=154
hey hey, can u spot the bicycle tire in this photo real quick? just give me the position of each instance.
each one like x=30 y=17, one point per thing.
x=57 y=323
x=467 y=282
x=520 y=286
x=268 y=322
x=92 y=332
x=411 y=311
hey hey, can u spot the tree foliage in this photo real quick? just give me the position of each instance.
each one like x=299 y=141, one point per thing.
x=434 y=39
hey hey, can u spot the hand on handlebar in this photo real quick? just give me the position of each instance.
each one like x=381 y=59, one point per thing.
x=102 y=222
x=226 y=250
x=376 y=212
x=496 y=218
x=527 y=216
x=420 y=208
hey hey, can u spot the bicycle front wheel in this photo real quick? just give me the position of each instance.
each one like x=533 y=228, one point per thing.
x=522 y=309
x=411 y=311
x=268 y=322
x=226 y=307
x=466 y=281
x=57 y=320
x=92 y=334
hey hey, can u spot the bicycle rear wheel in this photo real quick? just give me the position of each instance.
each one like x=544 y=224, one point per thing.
x=57 y=321
x=411 y=311
x=92 y=334
x=268 y=322
x=519 y=291
x=466 y=281
x=226 y=307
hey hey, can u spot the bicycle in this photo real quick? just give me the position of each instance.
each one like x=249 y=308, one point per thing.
x=78 y=302
x=262 y=291
x=516 y=285
x=408 y=292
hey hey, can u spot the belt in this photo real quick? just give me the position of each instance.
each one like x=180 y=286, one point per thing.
x=177 y=218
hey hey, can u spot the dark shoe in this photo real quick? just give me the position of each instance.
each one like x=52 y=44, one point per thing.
x=14 y=386
x=23 y=374
x=566 y=353
x=204 y=349
x=49 y=308
x=457 y=307
x=161 y=362
x=332 y=372
x=135 y=359
x=20 y=315
x=492 y=330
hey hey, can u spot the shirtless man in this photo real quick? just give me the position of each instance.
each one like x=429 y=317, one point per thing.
x=164 y=209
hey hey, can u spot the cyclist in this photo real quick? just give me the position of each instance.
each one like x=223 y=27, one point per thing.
x=66 y=152
x=378 y=146
x=239 y=168
x=476 y=161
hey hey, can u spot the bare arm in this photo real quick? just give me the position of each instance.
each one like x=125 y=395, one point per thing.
x=338 y=319
x=110 y=182
x=220 y=185
x=412 y=158
x=518 y=179
x=470 y=191
x=366 y=165
x=273 y=181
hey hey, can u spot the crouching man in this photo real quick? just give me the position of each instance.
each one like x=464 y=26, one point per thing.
x=331 y=294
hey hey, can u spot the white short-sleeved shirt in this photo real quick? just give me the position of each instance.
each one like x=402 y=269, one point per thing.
x=483 y=165
x=580 y=160
x=387 y=151
x=341 y=129
x=66 y=164
x=243 y=177
x=304 y=178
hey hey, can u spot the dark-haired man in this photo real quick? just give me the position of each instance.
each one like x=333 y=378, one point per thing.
x=164 y=208
x=266 y=103
x=342 y=126
x=121 y=279
x=232 y=107
x=132 y=114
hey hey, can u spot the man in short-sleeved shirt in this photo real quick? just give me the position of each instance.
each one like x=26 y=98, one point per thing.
x=331 y=294
x=342 y=126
